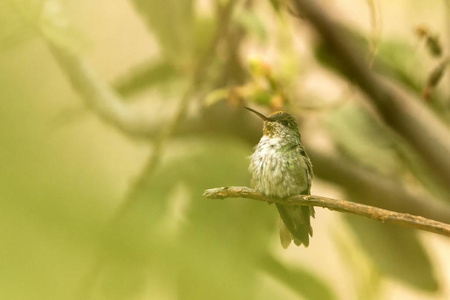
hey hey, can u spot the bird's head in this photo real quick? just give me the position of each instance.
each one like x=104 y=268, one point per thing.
x=278 y=124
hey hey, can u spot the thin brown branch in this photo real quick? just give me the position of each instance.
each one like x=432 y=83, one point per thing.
x=373 y=188
x=382 y=215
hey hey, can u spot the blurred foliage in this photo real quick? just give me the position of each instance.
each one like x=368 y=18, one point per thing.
x=12 y=30
x=218 y=257
x=398 y=61
x=264 y=88
x=301 y=281
x=363 y=139
x=159 y=74
x=173 y=24
x=434 y=45
x=396 y=252
x=59 y=186
x=26 y=18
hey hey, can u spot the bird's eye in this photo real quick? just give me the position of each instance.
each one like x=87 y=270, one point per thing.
x=285 y=123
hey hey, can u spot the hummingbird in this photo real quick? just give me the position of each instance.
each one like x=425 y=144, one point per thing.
x=281 y=168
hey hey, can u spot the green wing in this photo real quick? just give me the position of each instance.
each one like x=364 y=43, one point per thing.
x=297 y=218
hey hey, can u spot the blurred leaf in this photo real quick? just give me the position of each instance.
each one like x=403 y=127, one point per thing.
x=364 y=139
x=396 y=251
x=397 y=60
x=13 y=31
x=434 y=45
x=45 y=17
x=434 y=78
x=431 y=40
x=253 y=24
x=216 y=96
x=276 y=5
x=56 y=26
x=145 y=76
x=172 y=23
x=303 y=282
x=262 y=97
x=437 y=73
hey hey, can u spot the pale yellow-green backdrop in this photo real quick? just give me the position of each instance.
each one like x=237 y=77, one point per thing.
x=66 y=169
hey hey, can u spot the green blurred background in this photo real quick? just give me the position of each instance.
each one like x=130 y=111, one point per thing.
x=90 y=208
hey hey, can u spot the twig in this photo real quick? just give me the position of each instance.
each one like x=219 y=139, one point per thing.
x=374 y=39
x=383 y=215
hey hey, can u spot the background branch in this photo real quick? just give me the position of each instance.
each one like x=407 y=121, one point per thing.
x=367 y=211
x=98 y=96
x=170 y=128
x=409 y=117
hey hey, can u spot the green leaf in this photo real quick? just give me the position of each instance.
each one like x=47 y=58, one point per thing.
x=396 y=251
x=145 y=76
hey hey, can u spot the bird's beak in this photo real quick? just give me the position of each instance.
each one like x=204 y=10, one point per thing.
x=257 y=113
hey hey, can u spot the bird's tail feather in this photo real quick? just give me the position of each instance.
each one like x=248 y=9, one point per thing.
x=285 y=235
x=296 y=221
